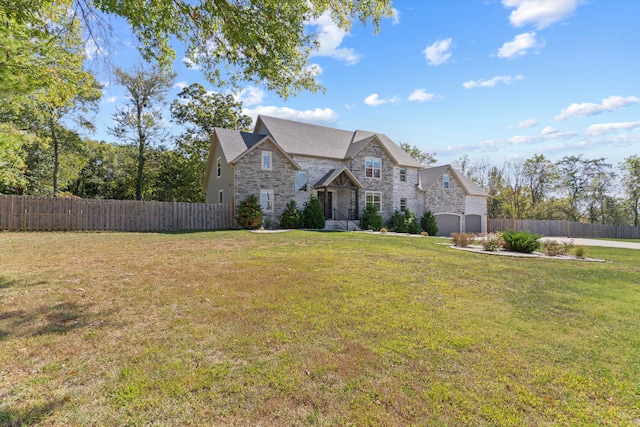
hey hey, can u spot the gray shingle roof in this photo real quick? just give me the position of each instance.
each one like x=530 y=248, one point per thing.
x=235 y=143
x=321 y=141
x=430 y=175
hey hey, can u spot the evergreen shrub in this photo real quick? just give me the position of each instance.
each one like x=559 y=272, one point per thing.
x=371 y=219
x=521 y=241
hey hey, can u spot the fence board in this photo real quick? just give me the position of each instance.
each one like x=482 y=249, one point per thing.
x=29 y=213
x=566 y=228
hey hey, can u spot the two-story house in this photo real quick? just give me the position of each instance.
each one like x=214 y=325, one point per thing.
x=282 y=160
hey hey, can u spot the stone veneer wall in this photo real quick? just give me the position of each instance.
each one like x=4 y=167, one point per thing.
x=250 y=179
x=384 y=184
x=408 y=190
x=317 y=169
x=445 y=200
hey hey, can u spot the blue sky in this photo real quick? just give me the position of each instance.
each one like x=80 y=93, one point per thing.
x=493 y=79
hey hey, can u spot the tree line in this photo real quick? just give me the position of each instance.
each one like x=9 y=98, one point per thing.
x=48 y=97
x=573 y=188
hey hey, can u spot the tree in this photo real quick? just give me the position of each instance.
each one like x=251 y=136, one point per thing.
x=140 y=121
x=631 y=183
x=428 y=223
x=59 y=88
x=422 y=157
x=12 y=159
x=601 y=175
x=262 y=41
x=573 y=181
x=539 y=173
x=201 y=112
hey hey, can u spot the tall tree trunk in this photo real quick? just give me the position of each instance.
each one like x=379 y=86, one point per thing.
x=56 y=156
x=141 y=142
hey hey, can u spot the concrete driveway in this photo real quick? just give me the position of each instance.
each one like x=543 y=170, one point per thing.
x=595 y=242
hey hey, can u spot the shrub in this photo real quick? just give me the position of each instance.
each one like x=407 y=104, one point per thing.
x=553 y=248
x=404 y=222
x=313 y=214
x=371 y=219
x=579 y=251
x=493 y=243
x=462 y=239
x=521 y=241
x=383 y=230
x=428 y=223
x=249 y=212
x=291 y=217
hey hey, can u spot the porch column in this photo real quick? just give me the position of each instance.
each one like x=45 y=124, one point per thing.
x=327 y=208
x=357 y=204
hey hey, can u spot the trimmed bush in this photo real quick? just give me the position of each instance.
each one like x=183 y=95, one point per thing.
x=404 y=222
x=371 y=219
x=313 y=214
x=428 y=223
x=291 y=217
x=249 y=212
x=521 y=241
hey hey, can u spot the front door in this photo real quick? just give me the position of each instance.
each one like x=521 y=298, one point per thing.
x=328 y=208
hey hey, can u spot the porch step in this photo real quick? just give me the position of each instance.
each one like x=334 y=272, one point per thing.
x=341 y=225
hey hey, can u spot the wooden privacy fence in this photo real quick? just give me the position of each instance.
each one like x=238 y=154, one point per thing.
x=565 y=228
x=29 y=213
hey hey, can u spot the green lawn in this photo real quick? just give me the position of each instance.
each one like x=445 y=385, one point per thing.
x=307 y=328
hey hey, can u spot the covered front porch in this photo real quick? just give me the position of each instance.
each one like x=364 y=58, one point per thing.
x=339 y=194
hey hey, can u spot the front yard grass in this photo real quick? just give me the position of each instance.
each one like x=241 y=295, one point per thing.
x=308 y=328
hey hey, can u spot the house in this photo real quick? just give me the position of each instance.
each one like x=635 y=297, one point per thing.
x=282 y=160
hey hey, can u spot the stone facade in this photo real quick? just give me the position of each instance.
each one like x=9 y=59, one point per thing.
x=250 y=179
x=384 y=184
x=407 y=190
x=445 y=200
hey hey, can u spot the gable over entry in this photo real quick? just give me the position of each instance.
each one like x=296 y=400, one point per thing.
x=345 y=186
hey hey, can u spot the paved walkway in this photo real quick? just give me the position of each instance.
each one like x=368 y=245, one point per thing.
x=595 y=242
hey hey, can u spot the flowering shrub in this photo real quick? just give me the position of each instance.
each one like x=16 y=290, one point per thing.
x=554 y=248
x=493 y=243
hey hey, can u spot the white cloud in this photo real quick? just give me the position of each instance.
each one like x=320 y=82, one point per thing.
x=250 y=95
x=527 y=123
x=421 y=95
x=438 y=53
x=180 y=85
x=322 y=116
x=395 y=16
x=602 y=128
x=520 y=46
x=92 y=49
x=111 y=99
x=541 y=13
x=190 y=64
x=611 y=103
x=374 y=100
x=330 y=37
x=492 y=82
x=315 y=69
x=549 y=130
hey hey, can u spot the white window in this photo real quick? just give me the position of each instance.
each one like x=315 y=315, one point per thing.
x=403 y=174
x=266 y=160
x=219 y=165
x=374 y=198
x=372 y=166
x=445 y=180
x=220 y=196
x=266 y=200
x=302 y=181
x=403 y=204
